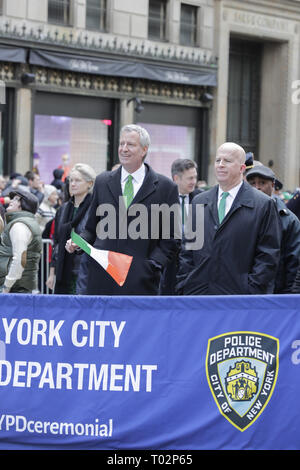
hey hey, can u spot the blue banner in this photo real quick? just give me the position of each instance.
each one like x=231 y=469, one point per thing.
x=126 y=373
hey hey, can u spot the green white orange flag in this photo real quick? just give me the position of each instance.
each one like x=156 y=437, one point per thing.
x=115 y=264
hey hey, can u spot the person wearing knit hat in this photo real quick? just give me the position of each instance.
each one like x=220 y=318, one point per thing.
x=20 y=244
x=263 y=179
x=46 y=210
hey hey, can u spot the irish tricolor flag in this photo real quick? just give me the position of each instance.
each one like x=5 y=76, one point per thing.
x=115 y=264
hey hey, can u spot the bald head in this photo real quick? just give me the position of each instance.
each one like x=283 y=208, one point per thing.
x=233 y=148
x=230 y=165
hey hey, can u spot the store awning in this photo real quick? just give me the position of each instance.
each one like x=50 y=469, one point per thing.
x=123 y=68
x=12 y=54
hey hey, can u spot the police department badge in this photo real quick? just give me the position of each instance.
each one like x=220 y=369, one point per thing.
x=242 y=369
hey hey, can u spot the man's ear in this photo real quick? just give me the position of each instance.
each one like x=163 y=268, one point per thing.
x=145 y=151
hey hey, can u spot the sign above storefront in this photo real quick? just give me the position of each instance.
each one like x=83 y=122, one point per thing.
x=124 y=68
x=12 y=54
x=259 y=21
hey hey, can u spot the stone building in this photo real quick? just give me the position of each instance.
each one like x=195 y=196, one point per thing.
x=256 y=103
x=193 y=72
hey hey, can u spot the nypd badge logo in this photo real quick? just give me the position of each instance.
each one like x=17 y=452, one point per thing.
x=242 y=369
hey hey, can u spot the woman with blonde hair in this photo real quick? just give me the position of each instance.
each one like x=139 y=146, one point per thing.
x=71 y=215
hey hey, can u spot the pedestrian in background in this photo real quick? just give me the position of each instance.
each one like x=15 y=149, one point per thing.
x=20 y=244
x=57 y=179
x=184 y=174
x=47 y=209
x=263 y=179
x=35 y=184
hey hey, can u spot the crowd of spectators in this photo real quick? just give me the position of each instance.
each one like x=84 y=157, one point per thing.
x=63 y=205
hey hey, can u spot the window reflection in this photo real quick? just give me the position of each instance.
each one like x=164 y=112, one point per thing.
x=167 y=144
x=83 y=140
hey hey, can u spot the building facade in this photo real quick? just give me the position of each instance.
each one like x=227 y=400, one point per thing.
x=195 y=73
x=77 y=70
x=256 y=104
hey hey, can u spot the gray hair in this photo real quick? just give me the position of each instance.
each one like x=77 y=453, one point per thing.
x=86 y=171
x=143 y=134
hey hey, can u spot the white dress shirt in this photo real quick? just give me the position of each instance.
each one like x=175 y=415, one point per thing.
x=137 y=178
x=230 y=198
x=186 y=203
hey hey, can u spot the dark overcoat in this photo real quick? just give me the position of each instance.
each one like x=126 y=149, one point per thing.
x=150 y=251
x=168 y=279
x=67 y=265
x=238 y=256
x=290 y=248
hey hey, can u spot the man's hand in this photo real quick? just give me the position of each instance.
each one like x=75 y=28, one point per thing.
x=71 y=246
x=4 y=290
x=51 y=279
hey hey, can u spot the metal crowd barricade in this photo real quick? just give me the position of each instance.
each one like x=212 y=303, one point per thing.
x=44 y=266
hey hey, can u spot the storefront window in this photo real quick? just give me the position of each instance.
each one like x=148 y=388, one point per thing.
x=167 y=144
x=81 y=140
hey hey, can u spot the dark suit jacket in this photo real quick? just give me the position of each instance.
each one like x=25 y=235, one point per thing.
x=290 y=248
x=149 y=252
x=294 y=204
x=238 y=256
x=168 y=279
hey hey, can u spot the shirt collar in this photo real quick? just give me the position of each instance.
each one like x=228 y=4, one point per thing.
x=137 y=176
x=232 y=192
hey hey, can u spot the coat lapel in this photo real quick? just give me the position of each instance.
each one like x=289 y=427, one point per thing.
x=149 y=185
x=114 y=184
x=212 y=204
x=243 y=198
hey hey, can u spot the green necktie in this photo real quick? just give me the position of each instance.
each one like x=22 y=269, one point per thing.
x=222 y=205
x=128 y=191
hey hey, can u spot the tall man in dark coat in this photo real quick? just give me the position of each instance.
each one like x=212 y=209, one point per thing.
x=241 y=247
x=131 y=231
x=184 y=174
x=263 y=179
